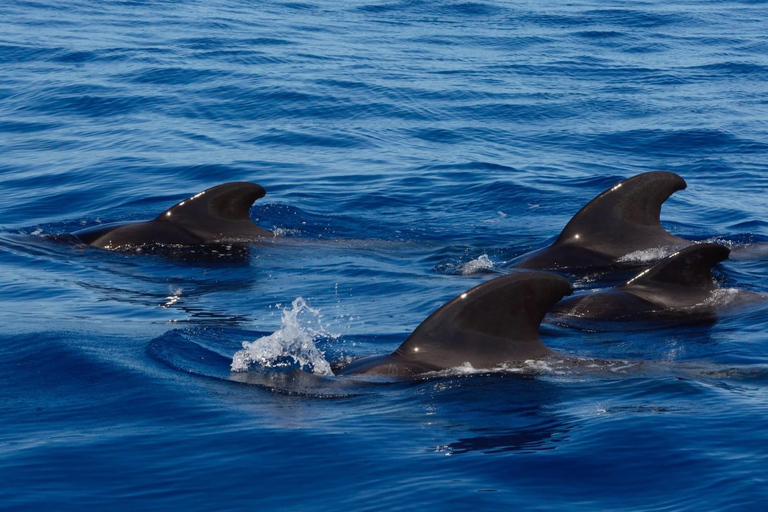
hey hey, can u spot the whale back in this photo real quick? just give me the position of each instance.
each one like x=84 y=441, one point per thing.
x=690 y=267
x=677 y=287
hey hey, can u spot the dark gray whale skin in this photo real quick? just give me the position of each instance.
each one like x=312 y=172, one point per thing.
x=216 y=215
x=621 y=220
x=493 y=323
x=678 y=287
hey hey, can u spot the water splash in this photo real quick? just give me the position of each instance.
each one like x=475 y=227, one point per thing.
x=173 y=298
x=291 y=346
x=286 y=232
x=481 y=263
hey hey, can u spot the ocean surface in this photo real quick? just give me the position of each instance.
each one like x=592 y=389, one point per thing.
x=409 y=150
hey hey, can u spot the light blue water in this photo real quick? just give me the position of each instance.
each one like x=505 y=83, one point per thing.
x=397 y=142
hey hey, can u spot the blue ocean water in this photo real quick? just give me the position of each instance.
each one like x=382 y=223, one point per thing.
x=409 y=149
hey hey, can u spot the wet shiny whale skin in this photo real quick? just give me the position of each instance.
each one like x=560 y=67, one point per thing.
x=621 y=220
x=216 y=215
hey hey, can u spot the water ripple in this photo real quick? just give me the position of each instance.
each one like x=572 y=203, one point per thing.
x=409 y=149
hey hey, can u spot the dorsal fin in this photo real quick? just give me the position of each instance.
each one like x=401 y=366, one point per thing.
x=626 y=217
x=691 y=266
x=220 y=211
x=494 y=322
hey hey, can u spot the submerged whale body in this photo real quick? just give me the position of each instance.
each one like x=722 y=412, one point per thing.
x=493 y=323
x=216 y=215
x=623 y=219
x=678 y=287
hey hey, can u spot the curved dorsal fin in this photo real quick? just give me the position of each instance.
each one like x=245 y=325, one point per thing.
x=691 y=267
x=626 y=217
x=494 y=322
x=218 y=212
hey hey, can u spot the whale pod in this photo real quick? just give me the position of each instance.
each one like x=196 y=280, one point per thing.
x=493 y=323
x=621 y=220
x=216 y=215
x=677 y=287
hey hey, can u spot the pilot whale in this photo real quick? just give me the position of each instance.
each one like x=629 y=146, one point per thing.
x=493 y=323
x=216 y=215
x=677 y=287
x=621 y=220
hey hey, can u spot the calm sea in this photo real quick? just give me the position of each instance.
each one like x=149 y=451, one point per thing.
x=409 y=149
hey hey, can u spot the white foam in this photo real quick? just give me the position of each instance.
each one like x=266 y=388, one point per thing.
x=285 y=232
x=647 y=255
x=173 y=298
x=293 y=343
x=482 y=262
x=554 y=367
x=723 y=297
x=722 y=241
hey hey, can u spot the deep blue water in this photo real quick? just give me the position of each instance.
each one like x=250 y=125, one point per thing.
x=398 y=141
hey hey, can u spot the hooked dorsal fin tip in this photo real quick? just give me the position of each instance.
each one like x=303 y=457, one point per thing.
x=496 y=320
x=628 y=212
x=229 y=201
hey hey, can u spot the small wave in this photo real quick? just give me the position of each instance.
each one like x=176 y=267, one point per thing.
x=290 y=346
x=203 y=353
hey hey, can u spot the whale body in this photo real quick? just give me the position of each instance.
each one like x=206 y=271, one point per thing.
x=216 y=215
x=622 y=220
x=493 y=323
x=680 y=286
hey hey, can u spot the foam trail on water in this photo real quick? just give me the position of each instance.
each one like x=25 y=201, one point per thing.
x=291 y=345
